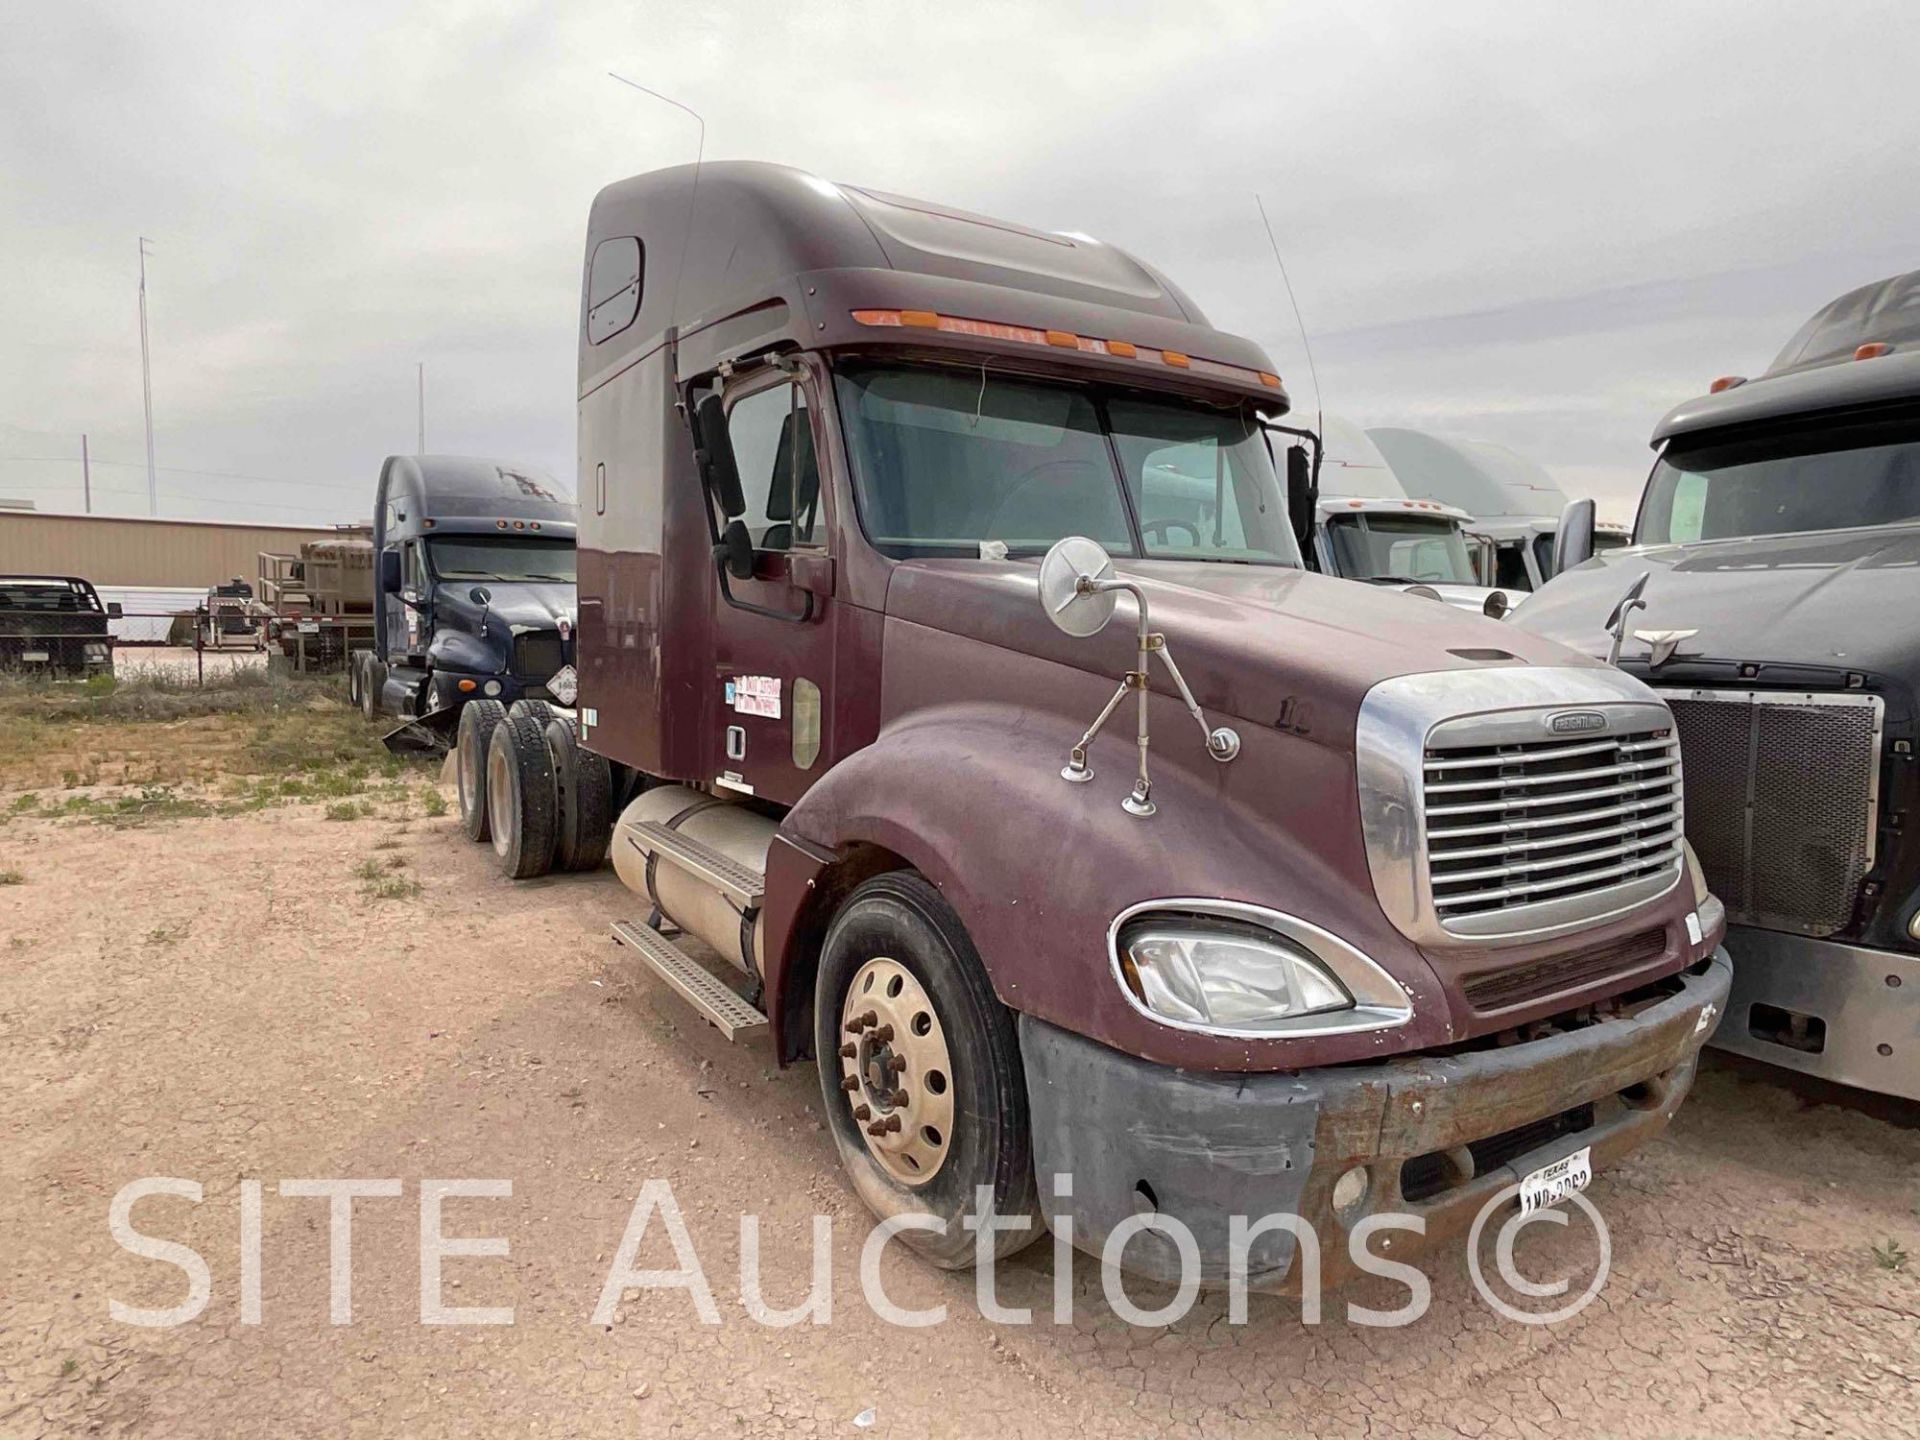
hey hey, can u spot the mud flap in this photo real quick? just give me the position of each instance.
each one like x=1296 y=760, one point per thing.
x=431 y=734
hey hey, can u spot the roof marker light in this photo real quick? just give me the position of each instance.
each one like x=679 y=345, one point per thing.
x=1065 y=340
x=1872 y=350
x=1726 y=382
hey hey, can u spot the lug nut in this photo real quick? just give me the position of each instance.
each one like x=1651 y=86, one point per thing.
x=862 y=1112
x=884 y=1034
x=899 y=1097
x=891 y=1125
x=849 y=1050
x=896 y=1063
x=850 y=1083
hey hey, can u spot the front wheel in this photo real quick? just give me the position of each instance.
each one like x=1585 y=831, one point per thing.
x=920 y=1068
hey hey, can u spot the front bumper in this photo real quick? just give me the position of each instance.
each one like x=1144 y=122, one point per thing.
x=1203 y=1148
x=1842 y=1012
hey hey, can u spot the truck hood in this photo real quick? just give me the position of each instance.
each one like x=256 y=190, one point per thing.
x=1256 y=642
x=1841 y=599
x=516 y=604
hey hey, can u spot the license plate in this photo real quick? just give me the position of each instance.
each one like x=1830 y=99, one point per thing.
x=1551 y=1184
x=39 y=655
x=309 y=627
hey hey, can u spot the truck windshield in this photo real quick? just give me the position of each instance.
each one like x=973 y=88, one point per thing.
x=489 y=557
x=948 y=461
x=1400 y=547
x=1809 y=477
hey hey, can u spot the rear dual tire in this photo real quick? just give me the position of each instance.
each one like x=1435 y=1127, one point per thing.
x=478 y=720
x=522 y=805
x=583 y=791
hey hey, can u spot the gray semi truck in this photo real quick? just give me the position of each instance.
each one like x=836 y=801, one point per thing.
x=1776 y=558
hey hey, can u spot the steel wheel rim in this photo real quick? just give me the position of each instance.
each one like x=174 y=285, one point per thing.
x=471 y=764
x=499 y=799
x=896 y=1073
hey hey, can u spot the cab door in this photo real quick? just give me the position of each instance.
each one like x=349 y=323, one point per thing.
x=774 y=633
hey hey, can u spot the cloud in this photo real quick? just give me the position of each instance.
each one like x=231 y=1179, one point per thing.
x=1541 y=227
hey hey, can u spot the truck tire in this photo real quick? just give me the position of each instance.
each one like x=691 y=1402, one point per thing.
x=372 y=682
x=478 y=720
x=540 y=710
x=520 y=796
x=901 y=984
x=583 y=790
x=353 y=683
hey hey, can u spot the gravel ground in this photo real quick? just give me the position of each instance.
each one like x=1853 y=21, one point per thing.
x=225 y=999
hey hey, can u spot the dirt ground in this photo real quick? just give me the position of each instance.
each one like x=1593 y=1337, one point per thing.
x=267 y=993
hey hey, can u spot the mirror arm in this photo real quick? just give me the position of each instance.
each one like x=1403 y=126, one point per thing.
x=1222 y=744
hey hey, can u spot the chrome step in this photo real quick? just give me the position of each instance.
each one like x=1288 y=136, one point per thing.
x=697 y=985
x=742 y=886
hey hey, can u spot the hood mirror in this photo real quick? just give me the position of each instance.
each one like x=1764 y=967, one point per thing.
x=1622 y=613
x=480 y=595
x=1079 y=612
x=1078 y=591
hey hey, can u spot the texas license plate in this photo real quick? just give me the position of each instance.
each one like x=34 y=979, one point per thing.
x=1551 y=1184
x=39 y=655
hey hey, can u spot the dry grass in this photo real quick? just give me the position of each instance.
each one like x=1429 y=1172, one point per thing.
x=156 y=748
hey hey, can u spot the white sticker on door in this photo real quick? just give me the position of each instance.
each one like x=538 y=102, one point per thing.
x=757 y=695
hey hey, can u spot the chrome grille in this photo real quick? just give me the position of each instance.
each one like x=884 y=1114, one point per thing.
x=1782 y=793
x=1524 y=824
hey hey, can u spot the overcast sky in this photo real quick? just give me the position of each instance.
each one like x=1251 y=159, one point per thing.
x=1517 y=223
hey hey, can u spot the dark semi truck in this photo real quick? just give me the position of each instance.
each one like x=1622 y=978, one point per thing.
x=1276 y=893
x=1777 y=554
x=473 y=594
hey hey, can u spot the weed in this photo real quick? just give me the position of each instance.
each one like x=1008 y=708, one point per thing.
x=343 y=810
x=396 y=862
x=369 y=870
x=387 y=842
x=68 y=1367
x=391 y=887
x=1890 y=1256
x=12 y=877
x=168 y=934
x=434 y=803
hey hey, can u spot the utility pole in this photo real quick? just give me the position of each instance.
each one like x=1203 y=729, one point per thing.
x=146 y=382
x=86 y=474
x=423 y=409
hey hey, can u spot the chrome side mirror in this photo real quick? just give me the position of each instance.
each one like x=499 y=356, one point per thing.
x=1078 y=592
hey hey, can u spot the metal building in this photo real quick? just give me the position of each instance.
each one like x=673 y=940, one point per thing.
x=115 y=550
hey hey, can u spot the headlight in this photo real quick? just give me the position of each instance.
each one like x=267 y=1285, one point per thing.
x=1223 y=976
x=492 y=688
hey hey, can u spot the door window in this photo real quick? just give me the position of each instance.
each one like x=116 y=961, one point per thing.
x=772 y=435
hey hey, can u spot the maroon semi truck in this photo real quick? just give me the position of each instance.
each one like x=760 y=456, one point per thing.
x=1280 y=893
